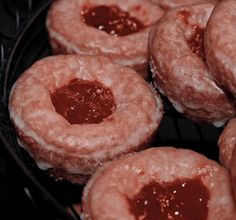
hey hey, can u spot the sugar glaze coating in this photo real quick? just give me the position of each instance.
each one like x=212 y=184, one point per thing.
x=68 y=32
x=79 y=148
x=123 y=179
x=220 y=44
x=182 y=75
x=168 y=4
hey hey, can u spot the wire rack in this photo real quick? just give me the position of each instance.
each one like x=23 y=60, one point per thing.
x=25 y=42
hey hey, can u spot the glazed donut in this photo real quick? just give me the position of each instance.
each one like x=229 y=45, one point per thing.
x=220 y=44
x=155 y=183
x=227 y=143
x=74 y=112
x=233 y=173
x=117 y=29
x=177 y=61
x=176 y=3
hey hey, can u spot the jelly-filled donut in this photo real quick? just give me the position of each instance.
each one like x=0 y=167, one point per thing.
x=233 y=173
x=159 y=183
x=74 y=112
x=220 y=44
x=227 y=143
x=177 y=61
x=117 y=29
x=176 y=3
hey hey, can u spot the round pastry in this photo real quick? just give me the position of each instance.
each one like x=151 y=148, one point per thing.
x=220 y=44
x=117 y=29
x=227 y=143
x=176 y=3
x=159 y=183
x=74 y=112
x=177 y=60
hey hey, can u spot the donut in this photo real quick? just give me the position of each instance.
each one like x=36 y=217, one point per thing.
x=220 y=44
x=176 y=3
x=227 y=143
x=233 y=173
x=179 y=69
x=72 y=113
x=159 y=183
x=116 y=29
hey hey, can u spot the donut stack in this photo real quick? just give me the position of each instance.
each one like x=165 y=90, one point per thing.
x=89 y=27
x=87 y=113
x=184 y=53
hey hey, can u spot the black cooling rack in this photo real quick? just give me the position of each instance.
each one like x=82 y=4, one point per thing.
x=27 y=41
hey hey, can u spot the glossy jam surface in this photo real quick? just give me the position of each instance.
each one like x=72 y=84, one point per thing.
x=112 y=20
x=196 y=42
x=83 y=102
x=180 y=200
x=184 y=14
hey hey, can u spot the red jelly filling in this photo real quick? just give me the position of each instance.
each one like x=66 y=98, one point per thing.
x=196 y=42
x=112 y=20
x=185 y=16
x=180 y=200
x=83 y=101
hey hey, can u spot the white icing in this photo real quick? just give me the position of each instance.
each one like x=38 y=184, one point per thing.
x=220 y=123
x=41 y=165
x=177 y=106
x=161 y=90
x=152 y=67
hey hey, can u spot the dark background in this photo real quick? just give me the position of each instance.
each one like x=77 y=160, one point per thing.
x=16 y=200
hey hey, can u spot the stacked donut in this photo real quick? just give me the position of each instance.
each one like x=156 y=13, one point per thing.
x=160 y=183
x=74 y=112
x=89 y=111
x=227 y=144
x=188 y=57
x=88 y=27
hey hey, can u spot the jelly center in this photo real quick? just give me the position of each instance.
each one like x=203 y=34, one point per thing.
x=196 y=42
x=82 y=101
x=112 y=20
x=184 y=14
x=180 y=200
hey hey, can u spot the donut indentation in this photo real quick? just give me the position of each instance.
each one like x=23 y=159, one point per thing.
x=185 y=16
x=82 y=101
x=112 y=20
x=180 y=62
x=118 y=186
x=182 y=199
x=74 y=151
x=196 y=42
